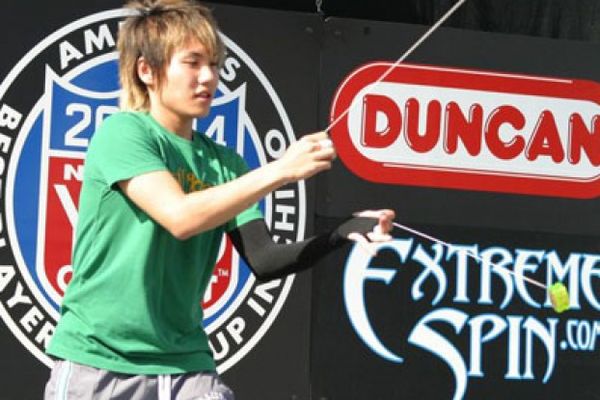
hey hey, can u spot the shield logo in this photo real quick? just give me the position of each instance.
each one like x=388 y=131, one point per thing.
x=70 y=118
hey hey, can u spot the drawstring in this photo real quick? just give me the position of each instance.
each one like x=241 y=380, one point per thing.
x=164 y=387
x=64 y=376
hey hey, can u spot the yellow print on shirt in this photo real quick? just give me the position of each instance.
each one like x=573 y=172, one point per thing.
x=190 y=182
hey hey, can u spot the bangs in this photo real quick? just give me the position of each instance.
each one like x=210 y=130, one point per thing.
x=190 y=28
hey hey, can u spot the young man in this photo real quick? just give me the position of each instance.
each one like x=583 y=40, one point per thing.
x=155 y=202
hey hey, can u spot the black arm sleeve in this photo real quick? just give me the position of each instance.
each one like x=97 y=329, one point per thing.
x=270 y=260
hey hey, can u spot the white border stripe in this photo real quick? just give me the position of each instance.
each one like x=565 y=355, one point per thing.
x=64 y=377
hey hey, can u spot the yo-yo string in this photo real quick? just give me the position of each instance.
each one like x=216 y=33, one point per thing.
x=403 y=57
x=468 y=252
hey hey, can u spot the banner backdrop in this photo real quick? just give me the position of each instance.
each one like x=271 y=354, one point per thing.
x=57 y=90
x=421 y=320
x=351 y=44
x=489 y=141
x=476 y=140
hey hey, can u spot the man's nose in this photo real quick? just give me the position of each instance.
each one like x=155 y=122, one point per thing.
x=207 y=73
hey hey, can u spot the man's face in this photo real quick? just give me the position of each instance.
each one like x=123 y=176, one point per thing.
x=190 y=82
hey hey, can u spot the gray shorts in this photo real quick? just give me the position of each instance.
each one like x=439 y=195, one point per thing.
x=72 y=381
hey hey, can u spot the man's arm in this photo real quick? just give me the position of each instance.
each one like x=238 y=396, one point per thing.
x=187 y=214
x=269 y=260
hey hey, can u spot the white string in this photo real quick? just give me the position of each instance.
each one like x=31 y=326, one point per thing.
x=404 y=56
x=468 y=252
x=319 y=4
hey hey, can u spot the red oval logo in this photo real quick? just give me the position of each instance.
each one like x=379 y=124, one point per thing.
x=471 y=130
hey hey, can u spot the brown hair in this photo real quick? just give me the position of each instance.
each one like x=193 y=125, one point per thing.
x=154 y=31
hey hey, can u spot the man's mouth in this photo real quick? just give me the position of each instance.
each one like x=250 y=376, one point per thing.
x=203 y=95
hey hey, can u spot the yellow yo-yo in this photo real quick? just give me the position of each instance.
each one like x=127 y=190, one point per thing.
x=559 y=297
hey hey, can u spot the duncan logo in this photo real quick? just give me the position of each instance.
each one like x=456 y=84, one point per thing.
x=50 y=105
x=472 y=130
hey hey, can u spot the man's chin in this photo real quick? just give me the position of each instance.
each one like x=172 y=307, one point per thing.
x=201 y=113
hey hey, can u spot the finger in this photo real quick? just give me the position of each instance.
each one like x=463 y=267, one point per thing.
x=381 y=215
x=367 y=213
x=385 y=219
x=363 y=243
x=390 y=216
x=325 y=154
x=387 y=214
x=385 y=225
x=323 y=165
x=379 y=237
x=317 y=136
x=325 y=143
x=316 y=150
x=382 y=232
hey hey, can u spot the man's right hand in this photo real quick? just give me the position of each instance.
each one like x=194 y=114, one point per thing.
x=306 y=157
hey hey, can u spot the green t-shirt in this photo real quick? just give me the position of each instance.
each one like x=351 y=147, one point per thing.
x=133 y=304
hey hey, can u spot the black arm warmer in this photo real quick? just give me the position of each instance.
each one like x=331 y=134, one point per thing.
x=270 y=260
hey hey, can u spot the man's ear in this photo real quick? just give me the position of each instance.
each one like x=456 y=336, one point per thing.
x=144 y=71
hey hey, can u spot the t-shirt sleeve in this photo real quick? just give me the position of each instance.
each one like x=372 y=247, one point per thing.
x=238 y=167
x=124 y=147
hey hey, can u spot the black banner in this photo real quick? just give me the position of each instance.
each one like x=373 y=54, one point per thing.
x=450 y=141
x=350 y=44
x=422 y=320
x=458 y=321
x=59 y=82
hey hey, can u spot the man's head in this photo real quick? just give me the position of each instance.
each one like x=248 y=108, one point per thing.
x=156 y=30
